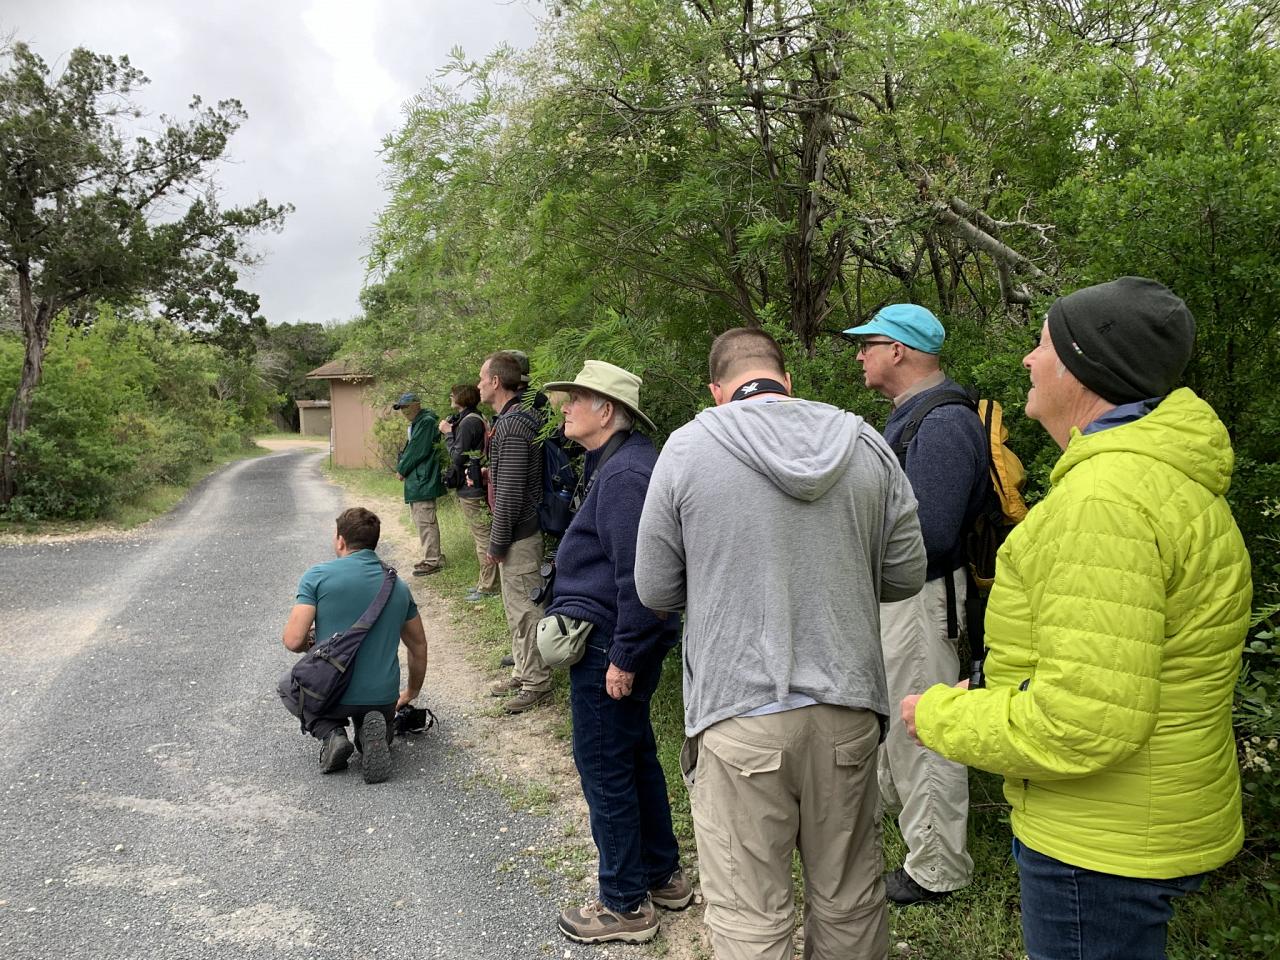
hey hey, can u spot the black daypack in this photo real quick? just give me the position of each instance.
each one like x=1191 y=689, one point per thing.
x=321 y=677
x=559 y=478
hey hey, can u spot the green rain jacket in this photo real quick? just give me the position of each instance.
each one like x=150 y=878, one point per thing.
x=1114 y=632
x=419 y=461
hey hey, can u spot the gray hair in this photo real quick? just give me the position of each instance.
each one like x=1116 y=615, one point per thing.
x=622 y=418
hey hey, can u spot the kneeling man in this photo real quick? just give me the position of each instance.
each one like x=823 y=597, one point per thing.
x=331 y=597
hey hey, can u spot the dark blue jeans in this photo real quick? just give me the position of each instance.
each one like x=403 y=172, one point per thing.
x=617 y=759
x=1070 y=913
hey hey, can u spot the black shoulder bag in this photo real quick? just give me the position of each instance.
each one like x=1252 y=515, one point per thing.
x=321 y=677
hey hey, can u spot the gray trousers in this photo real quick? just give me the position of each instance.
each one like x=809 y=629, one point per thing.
x=933 y=793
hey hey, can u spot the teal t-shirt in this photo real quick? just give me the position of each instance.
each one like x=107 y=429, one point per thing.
x=341 y=590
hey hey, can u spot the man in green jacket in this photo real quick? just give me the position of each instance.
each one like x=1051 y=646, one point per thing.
x=1114 y=633
x=419 y=468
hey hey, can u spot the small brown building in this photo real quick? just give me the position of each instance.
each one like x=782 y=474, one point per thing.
x=351 y=414
x=314 y=418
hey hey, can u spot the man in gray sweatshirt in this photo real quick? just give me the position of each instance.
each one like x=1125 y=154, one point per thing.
x=778 y=525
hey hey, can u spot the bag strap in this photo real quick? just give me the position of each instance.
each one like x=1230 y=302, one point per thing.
x=371 y=614
x=942 y=399
x=610 y=448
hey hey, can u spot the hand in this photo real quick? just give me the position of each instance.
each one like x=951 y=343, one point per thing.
x=909 y=715
x=399 y=476
x=490 y=559
x=446 y=426
x=311 y=636
x=406 y=697
x=909 y=710
x=617 y=682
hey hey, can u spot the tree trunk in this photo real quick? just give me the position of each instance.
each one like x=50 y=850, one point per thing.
x=36 y=323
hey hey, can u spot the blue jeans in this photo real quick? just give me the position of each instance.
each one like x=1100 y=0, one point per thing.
x=1070 y=913
x=626 y=793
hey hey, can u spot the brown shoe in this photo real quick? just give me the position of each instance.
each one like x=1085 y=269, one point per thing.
x=504 y=688
x=525 y=699
x=675 y=894
x=596 y=923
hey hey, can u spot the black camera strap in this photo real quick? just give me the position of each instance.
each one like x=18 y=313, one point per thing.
x=585 y=484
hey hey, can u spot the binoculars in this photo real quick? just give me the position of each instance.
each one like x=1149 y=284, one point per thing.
x=541 y=594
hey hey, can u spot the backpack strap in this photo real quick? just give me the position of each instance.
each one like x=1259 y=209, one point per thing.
x=941 y=399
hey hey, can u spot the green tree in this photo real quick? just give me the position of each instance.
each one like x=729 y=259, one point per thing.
x=88 y=214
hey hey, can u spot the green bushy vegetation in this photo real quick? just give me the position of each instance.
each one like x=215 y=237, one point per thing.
x=124 y=406
x=651 y=174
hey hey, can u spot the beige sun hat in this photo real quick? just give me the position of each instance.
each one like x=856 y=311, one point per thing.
x=618 y=385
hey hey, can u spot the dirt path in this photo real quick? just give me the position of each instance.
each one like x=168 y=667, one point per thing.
x=523 y=755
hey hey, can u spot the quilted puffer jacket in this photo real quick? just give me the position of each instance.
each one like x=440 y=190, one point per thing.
x=1114 y=633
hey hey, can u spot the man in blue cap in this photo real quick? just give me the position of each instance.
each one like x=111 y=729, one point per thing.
x=945 y=457
x=419 y=468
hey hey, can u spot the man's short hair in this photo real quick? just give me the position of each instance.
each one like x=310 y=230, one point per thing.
x=465 y=394
x=506 y=368
x=744 y=348
x=360 y=528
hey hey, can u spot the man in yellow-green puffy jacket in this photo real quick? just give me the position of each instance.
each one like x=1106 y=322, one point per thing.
x=1114 y=633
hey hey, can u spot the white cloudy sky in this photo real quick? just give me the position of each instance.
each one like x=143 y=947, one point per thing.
x=322 y=80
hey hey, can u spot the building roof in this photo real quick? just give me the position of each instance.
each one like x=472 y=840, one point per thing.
x=338 y=370
x=307 y=404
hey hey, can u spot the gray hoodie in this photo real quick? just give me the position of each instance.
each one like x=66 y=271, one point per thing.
x=778 y=527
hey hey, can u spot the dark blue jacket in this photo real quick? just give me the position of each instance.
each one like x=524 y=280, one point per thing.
x=948 y=466
x=595 y=564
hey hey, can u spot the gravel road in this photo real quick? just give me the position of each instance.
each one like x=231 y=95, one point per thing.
x=158 y=802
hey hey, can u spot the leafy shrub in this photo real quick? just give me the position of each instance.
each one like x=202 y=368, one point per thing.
x=121 y=406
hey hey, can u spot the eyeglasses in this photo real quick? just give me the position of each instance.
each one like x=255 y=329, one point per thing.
x=867 y=344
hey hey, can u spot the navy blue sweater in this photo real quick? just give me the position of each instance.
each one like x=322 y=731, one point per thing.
x=595 y=564
x=947 y=465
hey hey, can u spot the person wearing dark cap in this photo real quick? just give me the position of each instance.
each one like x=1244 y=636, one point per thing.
x=1114 y=632
x=945 y=458
x=419 y=467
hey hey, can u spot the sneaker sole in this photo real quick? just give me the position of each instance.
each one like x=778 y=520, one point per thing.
x=616 y=936
x=338 y=761
x=375 y=758
x=671 y=904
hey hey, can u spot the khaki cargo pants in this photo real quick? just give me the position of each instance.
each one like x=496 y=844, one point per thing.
x=519 y=577
x=762 y=787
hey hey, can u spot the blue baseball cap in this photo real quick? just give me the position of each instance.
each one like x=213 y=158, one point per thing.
x=405 y=400
x=908 y=323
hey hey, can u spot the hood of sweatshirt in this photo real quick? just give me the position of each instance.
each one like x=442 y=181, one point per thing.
x=804 y=447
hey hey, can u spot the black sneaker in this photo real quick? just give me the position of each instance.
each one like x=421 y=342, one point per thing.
x=901 y=889
x=375 y=751
x=508 y=661
x=335 y=750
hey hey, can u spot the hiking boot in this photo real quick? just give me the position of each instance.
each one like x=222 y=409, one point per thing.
x=525 y=699
x=479 y=596
x=425 y=571
x=901 y=889
x=504 y=688
x=675 y=894
x=375 y=750
x=596 y=923
x=508 y=661
x=335 y=750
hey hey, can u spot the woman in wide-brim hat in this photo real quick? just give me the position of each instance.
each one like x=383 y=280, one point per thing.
x=611 y=686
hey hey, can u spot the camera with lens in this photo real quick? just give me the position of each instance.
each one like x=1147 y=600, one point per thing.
x=541 y=594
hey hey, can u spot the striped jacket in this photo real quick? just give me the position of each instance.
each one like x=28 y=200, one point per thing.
x=515 y=476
